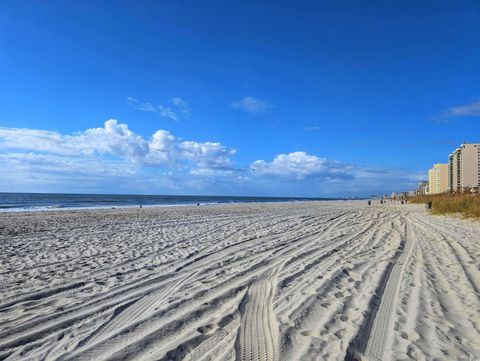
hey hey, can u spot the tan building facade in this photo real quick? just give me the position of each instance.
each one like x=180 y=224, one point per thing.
x=438 y=178
x=464 y=167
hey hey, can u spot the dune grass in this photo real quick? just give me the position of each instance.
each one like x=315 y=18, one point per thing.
x=468 y=205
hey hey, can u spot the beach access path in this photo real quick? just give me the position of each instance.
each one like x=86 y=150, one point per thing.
x=336 y=280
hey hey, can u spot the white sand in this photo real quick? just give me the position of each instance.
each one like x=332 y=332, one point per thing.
x=291 y=281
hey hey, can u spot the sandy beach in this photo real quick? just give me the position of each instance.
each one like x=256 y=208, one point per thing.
x=286 y=281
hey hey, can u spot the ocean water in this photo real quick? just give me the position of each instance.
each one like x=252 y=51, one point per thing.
x=45 y=201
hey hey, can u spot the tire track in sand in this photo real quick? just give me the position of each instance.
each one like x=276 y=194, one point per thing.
x=138 y=311
x=258 y=337
x=381 y=328
x=375 y=332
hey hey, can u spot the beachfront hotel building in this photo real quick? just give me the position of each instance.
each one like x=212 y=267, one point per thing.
x=464 y=167
x=438 y=178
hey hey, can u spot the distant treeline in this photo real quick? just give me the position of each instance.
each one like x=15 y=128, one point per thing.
x=468 y=205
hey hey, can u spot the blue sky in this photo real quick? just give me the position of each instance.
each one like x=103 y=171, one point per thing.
x=304 y=98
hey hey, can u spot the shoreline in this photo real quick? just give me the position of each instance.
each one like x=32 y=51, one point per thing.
x=62 y=209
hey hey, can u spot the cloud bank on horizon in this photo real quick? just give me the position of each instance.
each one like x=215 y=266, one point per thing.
x=116 y=159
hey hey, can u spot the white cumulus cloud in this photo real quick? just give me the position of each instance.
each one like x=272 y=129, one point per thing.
x=116 y=139
x=208 y=154
x=112 y=157
x=306 y=171
x=300 y=165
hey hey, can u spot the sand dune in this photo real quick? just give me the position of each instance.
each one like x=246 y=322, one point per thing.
x=290 y=281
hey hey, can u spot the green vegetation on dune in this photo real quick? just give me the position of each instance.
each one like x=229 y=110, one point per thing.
x=468 y=205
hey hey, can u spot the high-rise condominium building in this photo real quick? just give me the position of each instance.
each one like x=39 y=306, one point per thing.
x=464 y=167
x=438 y=179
